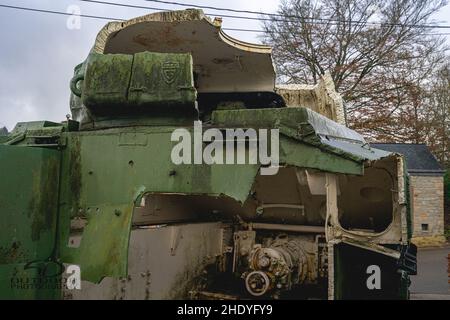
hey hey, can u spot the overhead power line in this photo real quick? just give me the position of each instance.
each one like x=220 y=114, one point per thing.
x=95 y=16
x=215 y=8
x=190 y=5
x=121 y=19
x=100 y=17
x=278 y=17
x=160 y=9
x=262 y=31
x=58 y=12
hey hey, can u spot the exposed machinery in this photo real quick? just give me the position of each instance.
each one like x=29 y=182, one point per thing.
x=102 y=191
x=279 y=265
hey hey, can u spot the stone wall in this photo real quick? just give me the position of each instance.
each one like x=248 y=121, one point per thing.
x=427 y=203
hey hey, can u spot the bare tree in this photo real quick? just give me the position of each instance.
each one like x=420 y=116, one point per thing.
x=378 y=51
x=438 y=115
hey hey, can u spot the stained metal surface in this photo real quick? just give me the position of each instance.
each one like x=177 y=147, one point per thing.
x=198 y=216
x=28 y=211
x=123 y=84
x=223 y=64
x=308 y=127
x=321 y=98
x=157 y=272
x=361 y=150
x=93 y=193
x=103 y=248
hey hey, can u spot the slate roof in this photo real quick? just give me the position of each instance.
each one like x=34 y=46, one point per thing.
x=419 y=159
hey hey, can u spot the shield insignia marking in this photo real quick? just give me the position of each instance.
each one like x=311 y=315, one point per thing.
x=170 y=71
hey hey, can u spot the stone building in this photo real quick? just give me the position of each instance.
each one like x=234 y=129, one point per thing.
x=426 y=190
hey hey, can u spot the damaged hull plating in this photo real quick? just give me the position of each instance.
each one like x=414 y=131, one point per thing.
x=141 y=227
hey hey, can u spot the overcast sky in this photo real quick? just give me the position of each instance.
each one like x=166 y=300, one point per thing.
x=38 y=52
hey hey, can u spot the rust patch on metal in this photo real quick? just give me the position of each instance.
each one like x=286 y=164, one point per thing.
x=13 y=254
x=75 y=174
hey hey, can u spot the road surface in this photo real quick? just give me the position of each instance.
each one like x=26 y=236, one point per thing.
x=431 y=282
